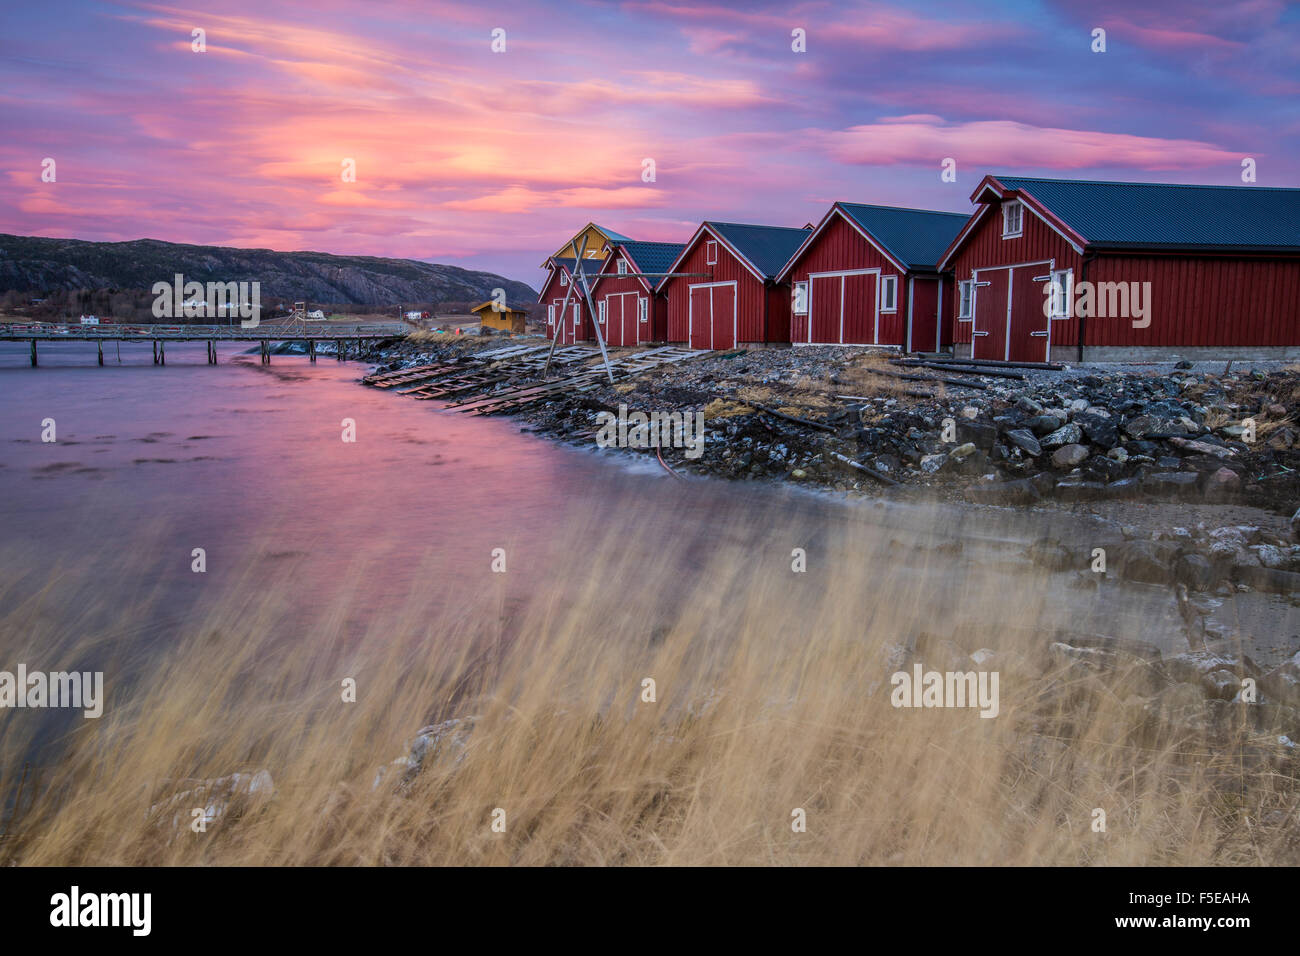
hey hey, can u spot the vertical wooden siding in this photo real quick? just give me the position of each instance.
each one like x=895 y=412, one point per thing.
x=986 y=248
x=840 y=248
x=1203 y=301
x=750 y=293
x=1196 y=300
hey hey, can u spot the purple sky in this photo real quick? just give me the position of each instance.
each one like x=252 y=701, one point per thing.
x=492 y=160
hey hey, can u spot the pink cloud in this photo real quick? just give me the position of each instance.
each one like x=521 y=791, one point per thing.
x=924 y=139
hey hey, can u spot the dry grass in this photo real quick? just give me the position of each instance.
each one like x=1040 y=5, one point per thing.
x=772 y=694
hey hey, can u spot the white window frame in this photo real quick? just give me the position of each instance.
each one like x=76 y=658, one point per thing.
x=966 y=300
x=1007 y=207
x=601 y=307
x=889 y=282
x=794 y=298
x=711 y=252
x=1061 y=306
x=550 y=315
x=564 y=278
x=621 y=265
x=642 y=309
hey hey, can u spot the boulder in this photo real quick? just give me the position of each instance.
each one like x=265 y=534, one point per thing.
x=1195 y=571
x=1267 y=579
x=1044 y=424
x=1190 y=666
x=1070 y=434
x=1028 y=405
x=1078 y=489
x=1099 y=428
x=1068 y=456
x=978 y=434
x=1283 y=682
x=1225 y=479
x=1023 y=438
x=1151 y=562
x=1194 y=447
x=1271 y=556
x=1171 y=482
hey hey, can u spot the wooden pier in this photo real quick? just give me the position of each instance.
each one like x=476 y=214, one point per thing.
x=265 y=335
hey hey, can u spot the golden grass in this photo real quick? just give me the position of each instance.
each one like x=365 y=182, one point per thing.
x=772 y=694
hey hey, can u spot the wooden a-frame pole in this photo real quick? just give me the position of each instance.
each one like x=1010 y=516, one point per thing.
x=579 y=275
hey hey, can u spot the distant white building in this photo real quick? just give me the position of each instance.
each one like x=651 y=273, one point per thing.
x=90 y=320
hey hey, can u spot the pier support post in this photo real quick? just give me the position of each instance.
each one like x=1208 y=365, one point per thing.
x=162 y=353
x=100 y=346
x=155 y=351
x=340 y=347
x=311 y=350
x=33 y=353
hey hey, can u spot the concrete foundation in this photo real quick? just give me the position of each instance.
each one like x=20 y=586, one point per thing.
x=1200 y=353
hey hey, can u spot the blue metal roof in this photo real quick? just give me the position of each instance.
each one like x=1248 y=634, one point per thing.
x=1171 y=216
x=590 y=266
x=651 y=257
x=768 y=248
x=915 y=237
x=612 y=235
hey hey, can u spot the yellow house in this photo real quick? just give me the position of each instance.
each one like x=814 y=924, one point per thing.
x=596 y=237
x=507 y=320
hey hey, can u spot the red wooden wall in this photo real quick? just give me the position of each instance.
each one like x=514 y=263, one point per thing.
x=553 y=290
x=1202 y=301
x=750 y=296
x=839 y=248
x=986 y=247
x=1195 y=300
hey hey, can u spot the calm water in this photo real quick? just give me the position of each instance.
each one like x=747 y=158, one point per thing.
x=227 y=458
x=247 y=462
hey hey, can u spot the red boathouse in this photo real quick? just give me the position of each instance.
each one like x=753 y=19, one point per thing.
x=1051 y=269
x=729 y=295
x=868 y=275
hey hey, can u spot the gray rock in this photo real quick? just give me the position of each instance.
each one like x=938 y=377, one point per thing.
x=1267 y=579
x=1283 y=682
x=1192 y=666
x=1024 y=439
x=1221 y=684
x=1148 y=561
x=1028 y=405
x=1044 y=424
x=1195 y=571
x=1078 y=489
x=1068 y=456
x=1193 y=447
x=1070 y=434
x=962 y=452
x=1171 y=482
x=1271 y=556
x=1142 y=426
x=1225 y=479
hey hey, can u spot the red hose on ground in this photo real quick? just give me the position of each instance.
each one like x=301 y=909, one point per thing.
x=667 y=467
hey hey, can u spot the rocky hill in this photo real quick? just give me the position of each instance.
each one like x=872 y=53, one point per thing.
x=38 y=265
